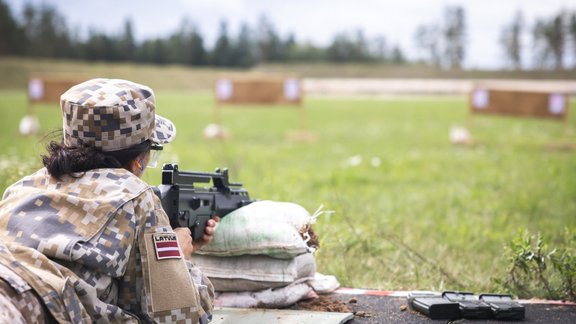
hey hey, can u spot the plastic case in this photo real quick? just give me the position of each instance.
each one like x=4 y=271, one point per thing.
x=503 y=307
x=434 y=306
x=469 y=304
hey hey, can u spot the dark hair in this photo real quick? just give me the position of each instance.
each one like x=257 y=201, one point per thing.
x=68 y=160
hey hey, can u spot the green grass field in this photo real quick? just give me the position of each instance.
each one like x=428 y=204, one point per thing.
x=416 y=212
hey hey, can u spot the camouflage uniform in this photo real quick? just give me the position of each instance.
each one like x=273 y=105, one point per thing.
x=18 y=302
x=90 y=246
x=86 y=247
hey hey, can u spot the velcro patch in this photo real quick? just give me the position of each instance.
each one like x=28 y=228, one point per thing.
x=166 y=246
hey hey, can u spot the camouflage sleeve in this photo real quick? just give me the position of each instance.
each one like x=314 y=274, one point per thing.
x=168 y=292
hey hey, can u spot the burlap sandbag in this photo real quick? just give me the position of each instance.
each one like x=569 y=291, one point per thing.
x=271 y=228
x=255 y=272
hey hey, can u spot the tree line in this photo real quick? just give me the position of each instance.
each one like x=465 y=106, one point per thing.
x=552 y=40
x=545 y=44
x=43 y=32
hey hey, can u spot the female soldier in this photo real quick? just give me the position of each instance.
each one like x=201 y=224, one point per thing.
x=84 y=239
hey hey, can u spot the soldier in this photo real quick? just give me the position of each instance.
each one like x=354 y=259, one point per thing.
x=84 y=239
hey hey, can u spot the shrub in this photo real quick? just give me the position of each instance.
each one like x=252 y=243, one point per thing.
x=540 y=271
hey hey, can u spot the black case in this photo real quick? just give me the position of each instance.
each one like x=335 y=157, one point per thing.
x=503 y=307
x=470 y=306
x=436 y=307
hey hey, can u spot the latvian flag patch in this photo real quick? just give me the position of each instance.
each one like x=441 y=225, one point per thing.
x=166 y=246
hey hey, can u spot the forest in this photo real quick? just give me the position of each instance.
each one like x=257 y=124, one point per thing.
x=42 y=32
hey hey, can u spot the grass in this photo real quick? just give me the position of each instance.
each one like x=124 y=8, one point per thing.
x=413 y=212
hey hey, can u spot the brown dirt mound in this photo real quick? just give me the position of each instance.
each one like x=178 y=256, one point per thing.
x=331 y=304
x=323 y=304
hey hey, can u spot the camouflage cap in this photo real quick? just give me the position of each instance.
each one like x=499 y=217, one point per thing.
x=112 y=114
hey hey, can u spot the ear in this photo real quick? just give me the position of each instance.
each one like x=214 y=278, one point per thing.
x=135 y=167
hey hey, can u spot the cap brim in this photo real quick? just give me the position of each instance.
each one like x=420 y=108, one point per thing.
x=164 y=131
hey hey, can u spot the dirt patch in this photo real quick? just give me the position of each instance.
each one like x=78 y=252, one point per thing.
x=332 y=304
x=323 y=304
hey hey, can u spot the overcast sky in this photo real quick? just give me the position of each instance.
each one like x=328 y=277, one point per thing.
x=311 y=20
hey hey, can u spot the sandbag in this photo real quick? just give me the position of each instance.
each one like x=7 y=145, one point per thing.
x=268 y=298
x=324 y=284
x=254 y=272
x=275 y=229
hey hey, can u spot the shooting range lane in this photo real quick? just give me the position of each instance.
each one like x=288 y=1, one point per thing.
x=376 y=306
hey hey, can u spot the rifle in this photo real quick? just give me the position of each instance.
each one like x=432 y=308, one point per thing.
x=192 y=207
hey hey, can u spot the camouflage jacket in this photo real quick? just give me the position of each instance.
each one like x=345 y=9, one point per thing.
x=98 y=248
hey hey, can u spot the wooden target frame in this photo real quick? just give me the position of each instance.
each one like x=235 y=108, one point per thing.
x=48 y=89
x=43 y=90
x=264 y=91
x=551 y=105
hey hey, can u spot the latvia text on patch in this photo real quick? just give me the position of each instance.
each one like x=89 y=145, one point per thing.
x=166 y=246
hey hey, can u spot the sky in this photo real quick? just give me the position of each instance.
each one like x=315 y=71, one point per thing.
x=316 y=21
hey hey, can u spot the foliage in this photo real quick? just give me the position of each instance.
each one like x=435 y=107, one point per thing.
x=455 y=35
x=444 y=44
x=426 y=39
x=10 y=32
x=554 y=39
x=511 y=41
x=539 y=270
x=42 y=32
x=550 y=40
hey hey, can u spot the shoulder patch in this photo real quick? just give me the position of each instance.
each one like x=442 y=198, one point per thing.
x=166 y=246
